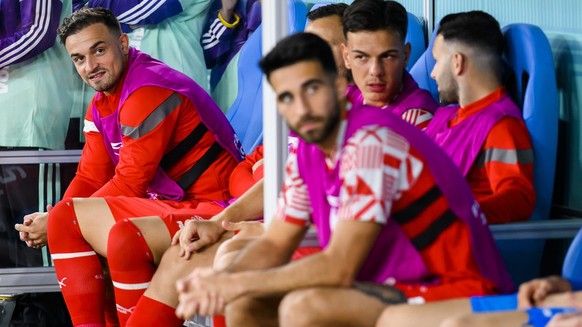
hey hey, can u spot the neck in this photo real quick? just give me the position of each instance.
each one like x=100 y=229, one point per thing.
x=477 y=90
x=328 y=146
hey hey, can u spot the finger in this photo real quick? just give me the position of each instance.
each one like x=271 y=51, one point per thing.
x=49 y=207
x=22 y=228
x=540 y=293
x=176 y=238
x=199 y=244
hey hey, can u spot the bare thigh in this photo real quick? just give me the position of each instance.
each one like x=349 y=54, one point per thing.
x=95 y=222
x=430 y=314
x=172 y=267
x=329 y=306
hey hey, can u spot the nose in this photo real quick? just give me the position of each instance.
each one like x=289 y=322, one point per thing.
x=303 y=106
x=90 y=64
x=432 y=73
x=376 y=68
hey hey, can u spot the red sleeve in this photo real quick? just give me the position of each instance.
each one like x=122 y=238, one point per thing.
x=95 y=168
x=247 y=173
x=507 y=158
x=140 y=155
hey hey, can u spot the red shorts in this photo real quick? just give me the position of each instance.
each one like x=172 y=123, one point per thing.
x=172 y=213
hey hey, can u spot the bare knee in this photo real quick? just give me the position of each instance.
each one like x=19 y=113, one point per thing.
x=302 y=308
x=228 y=250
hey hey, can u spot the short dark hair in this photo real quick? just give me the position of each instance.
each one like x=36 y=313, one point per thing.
x=476 y=29
x=85 y=17
x=375 y=15
x=334 y=9
x=296 y=48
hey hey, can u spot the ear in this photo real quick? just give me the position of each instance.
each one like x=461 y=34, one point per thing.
x=346 y=55
x=124 y=43
x=459 y=62
x=407 y=50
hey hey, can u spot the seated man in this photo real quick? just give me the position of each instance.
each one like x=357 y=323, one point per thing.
x=362 y=177
x=326 y=22
x=485 y=134
x=377 y=56
x=156 y=145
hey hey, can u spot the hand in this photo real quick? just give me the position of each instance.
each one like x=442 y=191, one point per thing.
x=533 y=292
x=205 y=292
x=245 y=228
x=196 y=235
x=33 y=230
x=566 y=320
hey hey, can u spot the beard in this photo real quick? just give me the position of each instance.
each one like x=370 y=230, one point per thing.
x=319 y=135
x=449 y=93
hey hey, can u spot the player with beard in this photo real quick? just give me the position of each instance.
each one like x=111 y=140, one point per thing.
x=156 y=145
x=484 y=134
x=389 y=206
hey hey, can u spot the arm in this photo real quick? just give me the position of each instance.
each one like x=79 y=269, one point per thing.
x=511 y=180
x=218 y=34
x=198 y=234
x=30 y=27
x=135 y=13
x=140 y=154
x=247 y=173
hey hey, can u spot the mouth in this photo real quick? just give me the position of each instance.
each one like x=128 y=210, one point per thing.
x=96 y=76
x=308 y=126
x=376 y=87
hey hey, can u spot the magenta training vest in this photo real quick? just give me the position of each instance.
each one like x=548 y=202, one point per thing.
x=463 y=141
x=143 y=70
x=411 y=97
x=393 y=255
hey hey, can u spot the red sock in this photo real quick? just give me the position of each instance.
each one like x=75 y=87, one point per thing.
x=130 y=264
x=77 y=266
x=149 y=312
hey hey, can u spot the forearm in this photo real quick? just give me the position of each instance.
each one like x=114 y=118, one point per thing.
x=30 y=39
x=247 y=207
x=318 y=270
x=507 y=205
x=131 y=13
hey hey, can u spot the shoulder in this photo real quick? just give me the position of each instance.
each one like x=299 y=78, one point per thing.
x=508 y=131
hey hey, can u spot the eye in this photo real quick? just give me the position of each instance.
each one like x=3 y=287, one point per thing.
x=285 y=98
x=77 y=59
x=311 y=89
x=99 y=51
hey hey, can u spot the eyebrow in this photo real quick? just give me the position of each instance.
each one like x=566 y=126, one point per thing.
x=96 y=44
x=382 y=53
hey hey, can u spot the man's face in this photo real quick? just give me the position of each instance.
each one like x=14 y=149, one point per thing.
x=330 y=29
x=99 y=56
x=442 y=72
x=308 y=100
x=377 y=60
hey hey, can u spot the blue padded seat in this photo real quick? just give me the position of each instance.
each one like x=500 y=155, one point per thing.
x=572 y=268
x=246 y=112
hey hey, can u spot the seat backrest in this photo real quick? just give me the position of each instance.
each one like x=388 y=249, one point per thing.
x=528 y=54
x=246 y=112
x=415 y=36
x=421 y=69
x=572 y=268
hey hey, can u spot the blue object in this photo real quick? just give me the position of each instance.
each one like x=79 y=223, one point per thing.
x=493 y=303
x=572 y=268
x=529 y=56
x=539 y=317
x=246 y=112
x=415 y=36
